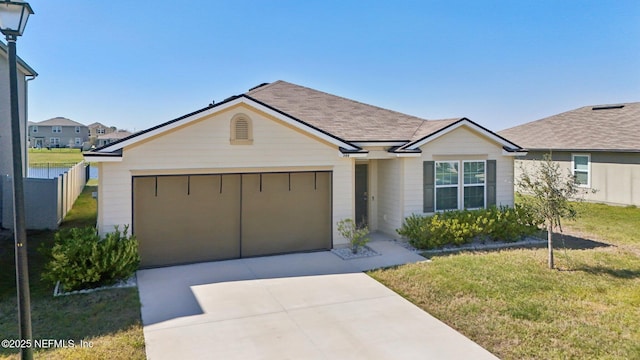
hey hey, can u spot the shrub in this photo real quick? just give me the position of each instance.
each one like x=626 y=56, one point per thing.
x=357 y=235
x=463 y=226
x=80 y=259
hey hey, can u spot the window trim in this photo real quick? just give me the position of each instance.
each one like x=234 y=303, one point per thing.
x=34 y=128
x=56 y=129
x=232 y=131
x=54 y=141
x=77 y=141
x=77 y=129
x=573 y=168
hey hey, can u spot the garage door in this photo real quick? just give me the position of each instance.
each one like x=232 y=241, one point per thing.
x=191 y=218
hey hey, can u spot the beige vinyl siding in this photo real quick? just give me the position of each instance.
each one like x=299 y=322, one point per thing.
x=412 y=186
x=466 y=144
x=204 y=147
x=615 y=176
x=389 y=195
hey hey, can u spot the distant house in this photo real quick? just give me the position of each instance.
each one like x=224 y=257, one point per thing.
x=598 y=144
x=98 y=129
x=112 y=137
x=25 y=73
x=58 y=132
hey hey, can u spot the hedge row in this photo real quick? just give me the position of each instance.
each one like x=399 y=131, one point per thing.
x=81 y=260
x=464 y=226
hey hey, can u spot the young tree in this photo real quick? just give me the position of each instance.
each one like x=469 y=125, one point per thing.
x=550 y=194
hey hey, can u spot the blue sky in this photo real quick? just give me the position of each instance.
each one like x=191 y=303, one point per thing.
x=135 y=64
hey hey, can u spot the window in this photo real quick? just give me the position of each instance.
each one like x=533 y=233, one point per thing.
x=54 y=141
x=451 y=185
x=474 y=178
x=77 y=129
x=56 y=129
x=581 y=169
x=100 y=131
x=447 y=185
x=78 y=141
x=241 y=130
x=34 y=128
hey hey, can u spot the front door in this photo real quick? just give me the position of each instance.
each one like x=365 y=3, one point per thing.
x=362 y=194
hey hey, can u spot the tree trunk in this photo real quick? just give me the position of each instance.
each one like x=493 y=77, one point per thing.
x=549 y=236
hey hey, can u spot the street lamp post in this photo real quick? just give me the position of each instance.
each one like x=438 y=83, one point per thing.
x=13 y=19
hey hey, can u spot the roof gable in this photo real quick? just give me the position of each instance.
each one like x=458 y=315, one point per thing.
x=210 y=110
x=446 y=126
x=600 y=127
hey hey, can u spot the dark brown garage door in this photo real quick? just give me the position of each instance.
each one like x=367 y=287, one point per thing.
x=190 y=218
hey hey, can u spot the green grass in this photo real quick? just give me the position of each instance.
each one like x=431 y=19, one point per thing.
x=109 y=319
x=511 y=304
x=61 y=155
x=613 y=224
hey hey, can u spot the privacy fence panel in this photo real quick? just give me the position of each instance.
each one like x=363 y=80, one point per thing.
x=47 y=201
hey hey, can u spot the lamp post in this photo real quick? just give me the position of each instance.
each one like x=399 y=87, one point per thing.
x=13 y=19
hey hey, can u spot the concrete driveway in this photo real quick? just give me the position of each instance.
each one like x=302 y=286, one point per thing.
x=298 y=306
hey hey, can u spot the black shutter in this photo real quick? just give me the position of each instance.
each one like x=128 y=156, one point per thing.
x=491 y=183
x=428 y=178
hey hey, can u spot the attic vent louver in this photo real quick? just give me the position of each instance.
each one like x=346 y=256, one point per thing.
x=607 y=107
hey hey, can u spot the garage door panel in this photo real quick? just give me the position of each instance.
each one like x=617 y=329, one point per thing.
x=285 y=212
x=190 y=218
x=180 y=219
x=214 y=211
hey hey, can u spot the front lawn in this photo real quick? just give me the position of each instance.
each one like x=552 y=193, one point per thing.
x=511 y=304
x=55 y=156
x=109 y=319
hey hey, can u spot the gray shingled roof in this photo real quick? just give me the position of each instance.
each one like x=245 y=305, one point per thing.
x=347 y=119
x=595 y=127
x=59 y=121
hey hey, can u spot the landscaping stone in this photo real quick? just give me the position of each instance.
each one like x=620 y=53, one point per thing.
x=485 y=245
x=345 y=253
x=131 y=282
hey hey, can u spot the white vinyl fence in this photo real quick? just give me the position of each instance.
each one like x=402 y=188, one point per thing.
x=47 y=201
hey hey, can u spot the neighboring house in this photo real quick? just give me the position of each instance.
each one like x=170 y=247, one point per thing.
x=273 y=170
x=97 y=129
x=58 y=132
x=598 y=144
x=25 y=73
x=112 y=137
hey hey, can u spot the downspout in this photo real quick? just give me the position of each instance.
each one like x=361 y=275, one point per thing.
x=25 y=166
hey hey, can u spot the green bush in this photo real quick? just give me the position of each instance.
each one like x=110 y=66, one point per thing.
x=463 y=226
x=81 y=260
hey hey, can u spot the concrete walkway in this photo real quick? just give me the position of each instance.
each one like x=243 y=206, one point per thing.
x=297 y=306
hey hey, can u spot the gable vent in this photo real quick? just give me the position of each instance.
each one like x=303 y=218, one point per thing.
x=242 y=129
x=607 y=107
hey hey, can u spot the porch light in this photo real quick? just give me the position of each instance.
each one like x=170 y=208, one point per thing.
x=13 y=17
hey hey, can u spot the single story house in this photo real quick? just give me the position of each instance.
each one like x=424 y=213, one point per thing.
x=112 y=137
x=274 y=169
x=25 y=74
x=58 y=132
x=598 y=144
